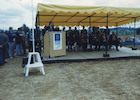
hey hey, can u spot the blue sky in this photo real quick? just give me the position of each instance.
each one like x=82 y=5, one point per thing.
x=15 y=13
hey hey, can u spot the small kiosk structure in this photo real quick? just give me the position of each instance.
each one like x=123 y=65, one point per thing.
x=55 y=44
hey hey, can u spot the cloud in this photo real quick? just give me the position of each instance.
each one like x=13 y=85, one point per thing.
x=117 y=3
x=124 y=3
x=18 y=12
x=15 y=14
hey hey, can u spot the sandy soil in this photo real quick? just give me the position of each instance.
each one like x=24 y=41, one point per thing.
x=98 y=80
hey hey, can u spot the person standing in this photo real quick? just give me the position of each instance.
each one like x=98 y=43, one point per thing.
x=64 y=29
x=113 y=40
x=69 y=39
x=84 y=38
x=3 y=47
x=11 y=36
x=76 y=39
x=38 y=40
x=91 y=38
x=43 y=33
x=89 y=32
x=30 y=40
x=44 y=30
x=99 y=37
x=19 y=42
x=24 y=40
x=51 y=26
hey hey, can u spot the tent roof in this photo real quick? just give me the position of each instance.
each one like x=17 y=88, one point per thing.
x=62 y=15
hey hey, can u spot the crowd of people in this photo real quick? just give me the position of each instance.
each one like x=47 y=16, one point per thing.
x=14 y=44
x=17 y=40
x=76 y=40
x=79 y=40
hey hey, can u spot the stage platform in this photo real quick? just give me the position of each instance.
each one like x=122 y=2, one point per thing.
x=123 y=53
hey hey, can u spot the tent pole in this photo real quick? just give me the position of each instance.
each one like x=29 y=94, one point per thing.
x=90 y=21
x=88 y=33
x=38 y=19
x=117 y=29
x=106 y=54
x=33 y=27
x=134 y=48
x=79 y=26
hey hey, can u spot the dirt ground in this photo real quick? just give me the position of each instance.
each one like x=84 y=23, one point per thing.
x=97 y=80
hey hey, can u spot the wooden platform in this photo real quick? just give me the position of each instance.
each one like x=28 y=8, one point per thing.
x=123 y=53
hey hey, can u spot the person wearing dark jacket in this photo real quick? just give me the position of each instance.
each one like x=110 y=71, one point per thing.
x=44 y=30
x=69 y=39
x=11 y=36
x=113 y=40
x=30 y=40
x=19 y=42
x=99 y=39
x=75 y=39
x=91 y=38
x=51 y=26
x=84 y=39
x=38 y=40
x=23 y=40
x=3 y=46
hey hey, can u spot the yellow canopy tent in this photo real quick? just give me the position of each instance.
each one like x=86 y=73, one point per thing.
x=64 y=15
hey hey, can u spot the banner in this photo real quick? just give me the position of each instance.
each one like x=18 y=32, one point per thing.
x=57 y=41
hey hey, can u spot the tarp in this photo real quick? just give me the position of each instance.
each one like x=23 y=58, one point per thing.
x=65 y=15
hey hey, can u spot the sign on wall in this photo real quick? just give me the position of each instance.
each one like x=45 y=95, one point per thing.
x=57 y=41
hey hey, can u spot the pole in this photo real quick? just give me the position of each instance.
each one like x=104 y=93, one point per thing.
x=117 y=29
x=89 y=31
x=79 y=26
x=134 y=30
x=106 y=55
x=79 y=35
x=38 y=19
x=134 y=48
x=33 y=27
x=90 y=21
